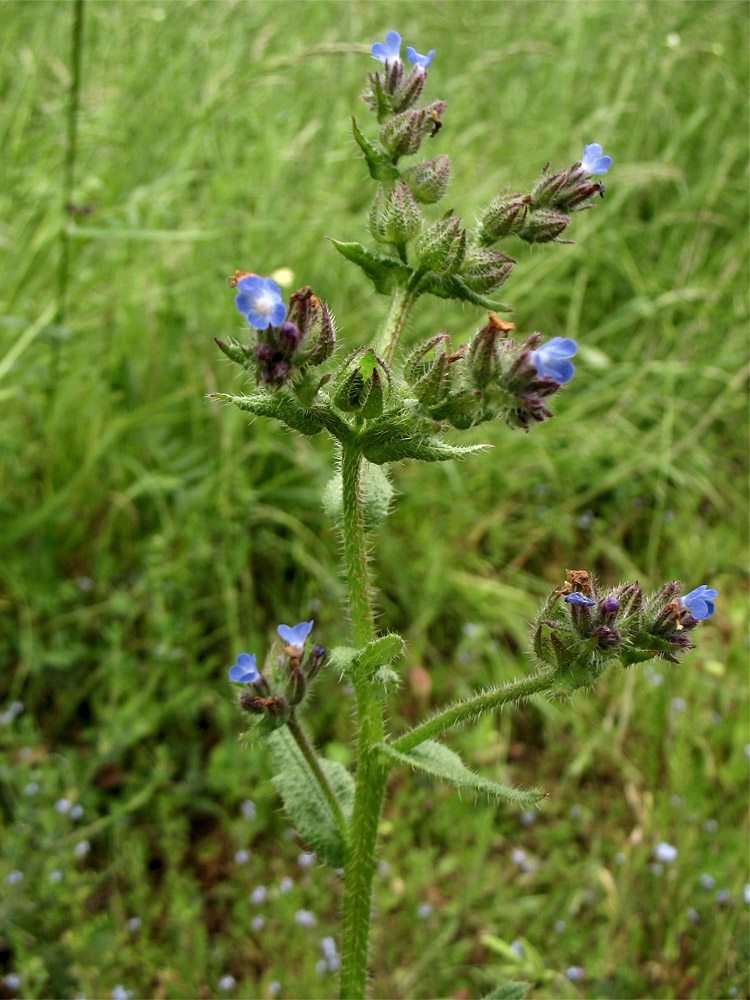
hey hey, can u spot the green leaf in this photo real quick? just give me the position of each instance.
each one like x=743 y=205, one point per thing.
x=379 y=652
x=384 y=272
x=450 y=286
x=304 y=801
x=439 y=761
x=509 y=991
x=380 y=167
x=380 y=450
x=341 y=658
x=279 y=406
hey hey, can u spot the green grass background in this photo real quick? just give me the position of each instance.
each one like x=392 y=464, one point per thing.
x=147 y=535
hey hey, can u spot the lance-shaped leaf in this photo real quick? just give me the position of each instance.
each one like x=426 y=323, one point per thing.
x=378 y=450
x=384 y=272
x=380 y=167
x=280 y=406
x=439 y=761
x=304 y=801
x=450 y=286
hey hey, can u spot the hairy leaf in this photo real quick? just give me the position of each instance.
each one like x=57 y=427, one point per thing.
x=380 y=651
x=304 y=801
x=380 y=167
x=384 y=272
x=509 y=991
x=450 y=286
x=439 y=761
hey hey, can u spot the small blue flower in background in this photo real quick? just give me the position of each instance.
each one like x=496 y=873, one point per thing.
x=419 y=60
x=700 y=602
x=391 y=51
x=260 y=301
x=550 y=359
x=579 y=599
x=244 y=670
x=592 y=161
x=296 y=635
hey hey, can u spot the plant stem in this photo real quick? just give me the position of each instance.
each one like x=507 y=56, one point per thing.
x=300 y=738
x=402 y=299
x=474 y=707
x=371 y=774
x=71 y=154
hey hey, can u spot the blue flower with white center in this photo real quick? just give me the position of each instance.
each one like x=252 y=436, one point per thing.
x=700 y=602
x=592 y=161
x=296 y=635
x=391 y=51
x=244 y=670
x=260 y=301
x=550 y=360
x=416 y=59
x=579 y=599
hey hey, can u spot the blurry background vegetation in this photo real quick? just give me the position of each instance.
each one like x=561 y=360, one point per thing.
x=147 y=535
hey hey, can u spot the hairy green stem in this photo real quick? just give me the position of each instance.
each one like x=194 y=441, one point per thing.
x=306 y=748
x=474 y=707
x=402 y=299
x=371 y=774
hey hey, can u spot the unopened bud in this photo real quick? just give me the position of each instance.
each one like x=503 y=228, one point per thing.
x=408 y=90
x=428 y=181
x=315 y=660
x=362 y=386
x=296 y=686
x=402 y=220
x=608 y=609
x=543 y=226
x=485 y=270
x=504 y=215
x=442 y=247
x=403 y=134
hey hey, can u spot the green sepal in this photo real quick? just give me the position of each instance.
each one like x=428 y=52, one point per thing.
x=385 y=649
x=279 y=406
x=384 y=272
x=304 y=801
x=508 y=991
x=380 y=167
x=234 y=351
x=440 y=762
x=450 y=286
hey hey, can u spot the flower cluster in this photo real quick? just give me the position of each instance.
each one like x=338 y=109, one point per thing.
x=288 y=340
x=293 y=670
x=581 y=629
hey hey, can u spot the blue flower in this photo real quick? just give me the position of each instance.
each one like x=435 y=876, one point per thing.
x=244 y=670
x=296 y=635
x=699 y=602
x=418 y=60
x=549 y=359
x=260 y=302
x=579 y=599
x=391 y=51
x=592 y=161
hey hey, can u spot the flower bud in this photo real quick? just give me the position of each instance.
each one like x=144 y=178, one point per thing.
x=402 y=135
x=428 y=181
x=543 y=226
x=408 y=90
x=361 y=386
x=565 y=190
x=504 y=215
x=483 y=360
x=485 y=270
x=443 y=246
x=296 y=686
x=402 y=220
x=315 y=660
x=313 y=320
x=608 y=609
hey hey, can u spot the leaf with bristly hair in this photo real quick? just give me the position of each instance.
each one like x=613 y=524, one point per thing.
x=384 y=272
x=450 y=286
x=439 y=761
x=380 y=450
x=380 y=651
x=304 y=801
x=380 y=167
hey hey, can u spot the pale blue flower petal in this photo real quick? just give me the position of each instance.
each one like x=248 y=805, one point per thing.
x=295 y=635
x=592 y=161
x=244 y=670
x=699 y=602
x=550 y=360
x=391 y=51
x=416 y=59
x=260 y=301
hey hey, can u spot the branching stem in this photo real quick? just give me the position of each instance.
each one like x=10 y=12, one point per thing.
x=306 y=748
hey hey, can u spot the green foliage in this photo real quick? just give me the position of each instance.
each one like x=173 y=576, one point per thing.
x=509 y=991
x=377 y=495
x=440 y=762
x=148 y=535
x=303 y=800
x=384 y=271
